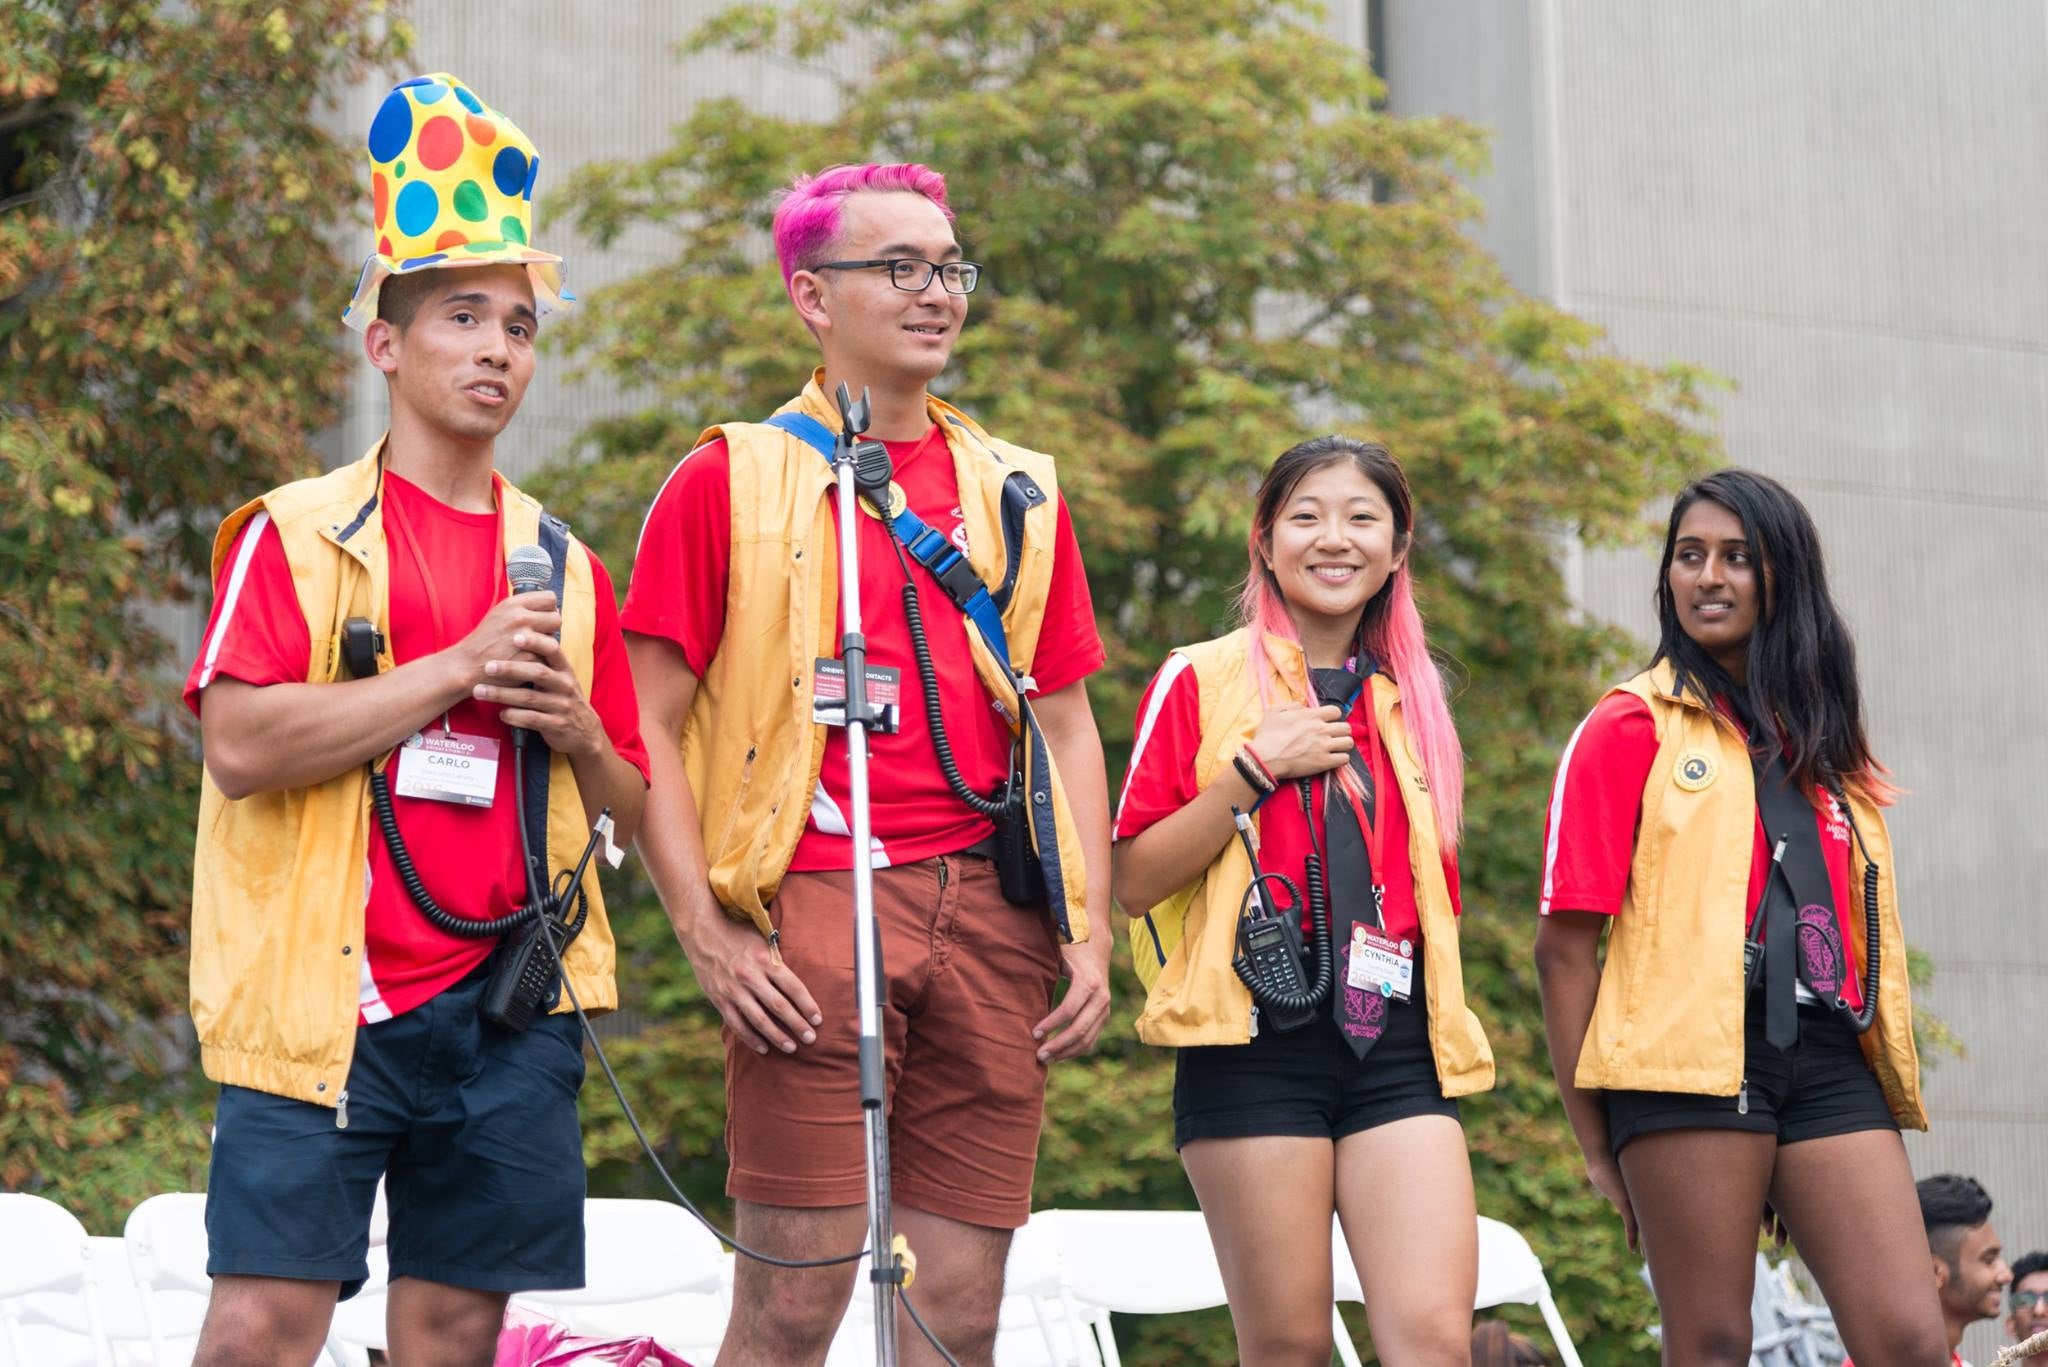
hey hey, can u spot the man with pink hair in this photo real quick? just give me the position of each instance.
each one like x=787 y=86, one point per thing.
x=989 y=817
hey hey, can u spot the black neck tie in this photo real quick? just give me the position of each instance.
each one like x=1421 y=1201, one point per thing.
x=1360 y=1013
x=1802 y=939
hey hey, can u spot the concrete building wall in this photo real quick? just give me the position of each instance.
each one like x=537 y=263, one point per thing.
x=1836 y=205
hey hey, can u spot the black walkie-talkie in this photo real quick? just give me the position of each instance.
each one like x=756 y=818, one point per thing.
x=1270 y=950
x=524 y=969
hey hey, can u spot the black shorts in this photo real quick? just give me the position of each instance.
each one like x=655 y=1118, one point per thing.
x=1308 y=1082
x=1820 y=1087
x=474 y=1131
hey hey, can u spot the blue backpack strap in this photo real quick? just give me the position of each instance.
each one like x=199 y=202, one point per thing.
x=807 y=430
x=930 y=549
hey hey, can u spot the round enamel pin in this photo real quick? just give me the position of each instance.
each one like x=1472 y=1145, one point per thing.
x=1695 y=771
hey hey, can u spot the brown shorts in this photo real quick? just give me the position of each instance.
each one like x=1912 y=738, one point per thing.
x=968 y=974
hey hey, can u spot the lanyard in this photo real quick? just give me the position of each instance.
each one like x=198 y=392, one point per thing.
x=1375 y=828
x=1372 y=830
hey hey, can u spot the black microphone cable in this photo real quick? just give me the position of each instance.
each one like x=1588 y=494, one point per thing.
x=928 y=679
x=647 y=1147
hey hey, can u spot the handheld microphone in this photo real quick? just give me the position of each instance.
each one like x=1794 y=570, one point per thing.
x=529 y=568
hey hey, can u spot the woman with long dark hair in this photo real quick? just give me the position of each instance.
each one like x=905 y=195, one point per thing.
x=1743 y=1053
x=1286 y=840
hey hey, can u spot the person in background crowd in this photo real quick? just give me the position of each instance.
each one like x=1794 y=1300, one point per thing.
x=1970 y=1272
x=1317 y=740
x=1717 y=820
x=335 y=982
x=2027 y=1303
x=732 y=605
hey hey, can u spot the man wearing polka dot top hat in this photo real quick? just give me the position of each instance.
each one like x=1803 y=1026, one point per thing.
x=387 y=729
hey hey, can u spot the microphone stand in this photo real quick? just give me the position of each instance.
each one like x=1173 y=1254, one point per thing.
x=884 y=1271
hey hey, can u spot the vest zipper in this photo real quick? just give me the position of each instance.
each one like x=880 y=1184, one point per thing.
x=1255 y=1020
x=341 y=1110
x=738 y=800
x=1742 y=1099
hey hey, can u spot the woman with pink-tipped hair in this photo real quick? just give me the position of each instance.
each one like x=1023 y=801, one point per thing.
x=1298 y=783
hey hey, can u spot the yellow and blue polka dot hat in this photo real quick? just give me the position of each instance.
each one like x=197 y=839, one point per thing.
x=451 y=184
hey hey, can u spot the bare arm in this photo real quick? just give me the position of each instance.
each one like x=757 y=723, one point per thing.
x=1293 y=741
x=760 y=998
x=1568 y=968
x=294 y=735
x=1076 y=748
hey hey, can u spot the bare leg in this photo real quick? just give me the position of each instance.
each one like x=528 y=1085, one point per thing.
x=1268 y=1203
x=784 y=1317
x=433 y=1325
x=1699 y=1203
x=959 y=1289
x=262 y=1321
x=1848 y=1202
x=1404 y=1192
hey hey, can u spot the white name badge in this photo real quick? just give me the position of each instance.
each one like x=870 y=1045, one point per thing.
x=1385 y=965
x=447 y=766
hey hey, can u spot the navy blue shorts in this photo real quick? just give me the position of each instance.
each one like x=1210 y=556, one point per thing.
x=1308 y=1082
x=474 y=1131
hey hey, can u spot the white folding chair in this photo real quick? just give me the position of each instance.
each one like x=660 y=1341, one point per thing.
x=1344 y=1286
x=165 y=1240
x=45 y=1263
x=1510 y=1273
x=1786 y=1329
x=1033 y=1327
x=1132 y=1262
x=1034 y=1278
x=120 y=1303
x=649 y=1268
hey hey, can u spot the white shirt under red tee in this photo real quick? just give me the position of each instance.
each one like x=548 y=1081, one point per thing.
x=1596 y=800
x=681 y=575
x=1161 y=781
x=447 y=571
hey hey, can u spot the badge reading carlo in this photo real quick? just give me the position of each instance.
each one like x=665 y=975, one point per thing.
x=1695 y=771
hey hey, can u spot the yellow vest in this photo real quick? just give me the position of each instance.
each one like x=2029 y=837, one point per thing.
x=278 y=878
x=1184 y=946
x=749 y=746
x=1669 y=1015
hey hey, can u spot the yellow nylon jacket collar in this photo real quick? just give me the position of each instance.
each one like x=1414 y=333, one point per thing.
x=1188 y=941
x=279 y=878
x=1669 y=1013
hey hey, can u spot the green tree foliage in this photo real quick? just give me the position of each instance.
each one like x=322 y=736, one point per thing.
x=164 y=182
x=1205 y=239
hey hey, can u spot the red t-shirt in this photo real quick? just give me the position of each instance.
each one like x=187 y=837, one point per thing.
x=678 y=593
x=447 y=570
x=1161 y=781
x=1594 y=806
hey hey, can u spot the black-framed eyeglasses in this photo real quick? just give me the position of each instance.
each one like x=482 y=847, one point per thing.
x=912 y=274
x=2030 y=1300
